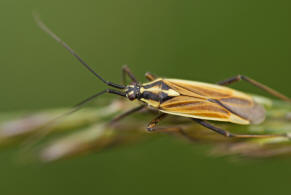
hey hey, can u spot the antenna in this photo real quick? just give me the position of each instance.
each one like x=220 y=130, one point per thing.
x=46 y=127
x=68 y=48
x=78 y=106
x=35 y=138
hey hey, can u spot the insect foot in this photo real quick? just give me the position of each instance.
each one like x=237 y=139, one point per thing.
x=151 y=127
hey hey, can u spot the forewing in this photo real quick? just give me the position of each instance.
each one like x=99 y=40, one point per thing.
x=213 y=102
x=198 y=108
x=199 y=89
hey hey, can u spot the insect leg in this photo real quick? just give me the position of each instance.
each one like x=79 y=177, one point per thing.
x=150 y=76
x=125 y=114
x=152 y=126
x=255 y=83
x=127 y=71
x=228 y=134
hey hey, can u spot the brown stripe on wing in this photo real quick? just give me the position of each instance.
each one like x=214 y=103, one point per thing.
x=184 y=90
x=195 y=107
x=212 y=115
x=210 y=91
x=181 y=101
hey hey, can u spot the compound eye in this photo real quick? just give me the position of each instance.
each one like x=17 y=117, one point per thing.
x=131 y=96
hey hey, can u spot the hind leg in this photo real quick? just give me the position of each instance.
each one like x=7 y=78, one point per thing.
x=256 y=84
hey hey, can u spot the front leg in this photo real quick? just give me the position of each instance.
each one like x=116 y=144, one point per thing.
x=126 y=113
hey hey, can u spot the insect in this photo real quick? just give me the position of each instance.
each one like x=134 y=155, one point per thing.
x=201 y=102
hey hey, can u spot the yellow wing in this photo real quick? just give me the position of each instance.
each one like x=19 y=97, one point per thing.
x=211 y=102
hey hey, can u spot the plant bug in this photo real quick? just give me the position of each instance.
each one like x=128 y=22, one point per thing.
x=195 y=100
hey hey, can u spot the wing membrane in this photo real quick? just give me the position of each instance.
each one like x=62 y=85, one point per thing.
x=249 y=110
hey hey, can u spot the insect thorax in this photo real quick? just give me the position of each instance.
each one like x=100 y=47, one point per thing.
x=156 y=92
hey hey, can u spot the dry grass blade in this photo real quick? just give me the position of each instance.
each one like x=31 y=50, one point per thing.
x=92 y=132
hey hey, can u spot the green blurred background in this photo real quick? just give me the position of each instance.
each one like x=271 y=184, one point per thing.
x=205 y=40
